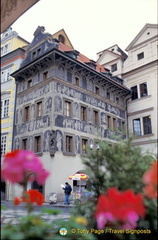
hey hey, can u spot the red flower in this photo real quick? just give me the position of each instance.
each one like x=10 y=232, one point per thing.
x=119 y=208
x=34 y=196
x=150 y=180
x=16 y=201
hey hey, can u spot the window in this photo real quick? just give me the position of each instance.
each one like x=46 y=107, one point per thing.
x=5 y=75
x=123 y=127
x=117 y=100
x=29 y=83
x=26 y=113
x=5 y=108
x=134 y=92
x=114 y=124
x=77 y=82
x=67 y=108
x=69 y=144
x=96 y=90
x=3 y=144
x=39 y=109
x=37 y=144
x=108 y=95
x=34 y=55
x=83 y=113
x=137 y=127
x=140 y=56
x=109 y=122
x=143 y=89
x=24 y=143
x=45 y=75
x=61 y=38
x=147 y=125
x=84 y=144
x=114 y=67
x=95 y=117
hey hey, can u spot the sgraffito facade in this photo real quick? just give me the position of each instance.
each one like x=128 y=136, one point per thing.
x=63 y=105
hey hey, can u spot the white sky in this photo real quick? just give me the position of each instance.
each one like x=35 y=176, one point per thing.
x=91 y=25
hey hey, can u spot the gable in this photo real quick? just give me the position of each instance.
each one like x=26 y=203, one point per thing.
x=61 y=35
x=146 y=34
x=107 y=56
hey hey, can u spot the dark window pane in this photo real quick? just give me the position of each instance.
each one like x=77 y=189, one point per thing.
x=134 y=92
x=147 y=125
x=143 y=90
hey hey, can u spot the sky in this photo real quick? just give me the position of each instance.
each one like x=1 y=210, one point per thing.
x=91 y=25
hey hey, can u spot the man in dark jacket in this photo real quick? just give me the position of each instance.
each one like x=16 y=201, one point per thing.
x=67 y=191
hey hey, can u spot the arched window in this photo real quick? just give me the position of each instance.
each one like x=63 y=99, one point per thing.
x=61 y=38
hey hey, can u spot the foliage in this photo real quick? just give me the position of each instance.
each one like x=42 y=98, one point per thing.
x=122 y=166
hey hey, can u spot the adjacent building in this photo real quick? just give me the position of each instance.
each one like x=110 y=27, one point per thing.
x=140 y=75
x=12 y=54
x=64 y=102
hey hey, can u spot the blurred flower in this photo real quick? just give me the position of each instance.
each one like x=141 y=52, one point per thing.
x=150 y=180
x=33 y=196
x=121 y=209
x=21 y=166
x=16 y=201
x=81 y=220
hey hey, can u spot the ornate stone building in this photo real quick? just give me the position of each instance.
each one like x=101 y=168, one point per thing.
x=65 y=102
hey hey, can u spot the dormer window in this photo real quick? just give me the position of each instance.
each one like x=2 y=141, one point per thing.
x=140 y=56
x=61 y=38
x=114 y=67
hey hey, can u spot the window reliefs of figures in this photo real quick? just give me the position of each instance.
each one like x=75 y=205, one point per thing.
x=39 y=109
x=83 y=113
x=68 y=108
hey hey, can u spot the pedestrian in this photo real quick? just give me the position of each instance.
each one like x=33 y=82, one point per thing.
x=67 y=191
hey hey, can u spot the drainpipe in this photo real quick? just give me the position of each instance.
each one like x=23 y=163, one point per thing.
x=127 y=115
x=14 y=116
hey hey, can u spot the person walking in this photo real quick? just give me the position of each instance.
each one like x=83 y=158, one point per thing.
x=67 y=191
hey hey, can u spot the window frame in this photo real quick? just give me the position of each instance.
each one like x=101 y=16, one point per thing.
x=83 y=116
x=114 y=67
x=135 y=127
x=24 y=140
x=149 y=127
x=140 y=56
x=3 y=144
x=5 y=108
x=143 y=89
x=84 y=150
x=95 y=119
x=26 y=113
x=38 y=145
x=37 y=111
x=69 y=144
x=134 y=90
x=67 y=111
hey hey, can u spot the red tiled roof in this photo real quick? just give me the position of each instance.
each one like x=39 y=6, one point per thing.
x=81 y=57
